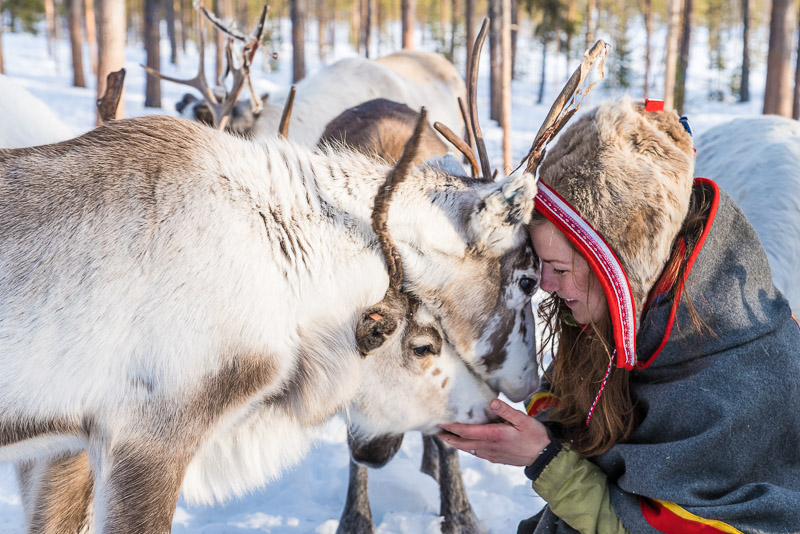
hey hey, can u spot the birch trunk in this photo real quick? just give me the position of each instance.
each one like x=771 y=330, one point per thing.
x=76 y=41
x=111 y=31
x=778 y=94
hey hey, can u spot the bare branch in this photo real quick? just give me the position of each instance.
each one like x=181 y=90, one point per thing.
x=562 y=109
x=283 y=129
x=108 y=103
x=460 y=144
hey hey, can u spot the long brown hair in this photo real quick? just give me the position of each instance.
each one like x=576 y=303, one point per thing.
x=582 y=358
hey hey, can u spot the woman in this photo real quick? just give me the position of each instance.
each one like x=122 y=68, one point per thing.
x=670 y=403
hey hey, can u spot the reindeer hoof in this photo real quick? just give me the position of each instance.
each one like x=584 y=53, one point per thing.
x=355 y=523
x=463 y=522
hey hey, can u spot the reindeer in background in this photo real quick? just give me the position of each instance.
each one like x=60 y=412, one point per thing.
x=756 y=160
x=413 y=78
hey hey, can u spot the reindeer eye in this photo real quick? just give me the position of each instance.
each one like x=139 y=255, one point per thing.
x=527 y=285
x=423 y=350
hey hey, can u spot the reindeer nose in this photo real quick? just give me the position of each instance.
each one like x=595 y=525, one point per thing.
x=491 y=417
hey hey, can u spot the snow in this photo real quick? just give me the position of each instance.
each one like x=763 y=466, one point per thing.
x=310 y=497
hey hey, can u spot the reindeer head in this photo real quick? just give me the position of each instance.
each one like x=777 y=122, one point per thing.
x=414 y=380
x=483 y=267
x=241 y=120
x=476 y=268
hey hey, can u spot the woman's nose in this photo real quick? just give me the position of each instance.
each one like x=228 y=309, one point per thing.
x=549 y=283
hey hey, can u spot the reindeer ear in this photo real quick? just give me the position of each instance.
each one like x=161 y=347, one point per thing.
x=375 y=326
x=501 y=208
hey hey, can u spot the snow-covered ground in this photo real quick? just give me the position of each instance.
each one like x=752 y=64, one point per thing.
x=309 y=498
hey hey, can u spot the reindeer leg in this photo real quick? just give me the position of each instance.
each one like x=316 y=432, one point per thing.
x=455 y=507
x=430 y=457
x=57 y=494
x=138 y=491
x=357 y=516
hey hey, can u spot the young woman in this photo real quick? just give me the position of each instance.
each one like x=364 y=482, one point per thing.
x=670 y=404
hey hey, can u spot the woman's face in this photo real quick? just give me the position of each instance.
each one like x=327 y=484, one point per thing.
x=567 y=274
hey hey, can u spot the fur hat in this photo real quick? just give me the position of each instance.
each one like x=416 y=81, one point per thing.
x=628 y=172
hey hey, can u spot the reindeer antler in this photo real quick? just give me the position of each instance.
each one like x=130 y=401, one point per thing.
x=380 y=212
x=472 y=99
x=460 y=144
x=108 y=103
x=562 y=109
x=381 y=320
x=283 y=127
x=220 y=111
x=470 y=115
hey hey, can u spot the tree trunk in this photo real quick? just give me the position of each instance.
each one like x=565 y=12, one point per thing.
x=50 y=24
x=778 y=91
x=591 y=22
x=322 y=22
x=469 y=29
x=76 y=41
x=2 y=69
x=648 y=33
x=540 y=98
x=184 y=16
x=223 y=9
x=571 y=7
x=453 y=28
x=169 y=15
x=110 y=44
x=355 y=25
x=298 y=15
x=368 y=26
x=380 y=26
x=683 y=59
x=408 y=13
x=514 y=35
x=796 y=99
x=91 y=32
x=495 y=76
x=241 y=14
x=744 y=90
x=152 y=48
x=505 y=85
x=673 y=21
x=332 y=26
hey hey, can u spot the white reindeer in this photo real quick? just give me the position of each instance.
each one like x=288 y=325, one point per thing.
x=409 y=77
x=184 y=305
x=25 y=120
x=757 y=161
x=380 y=128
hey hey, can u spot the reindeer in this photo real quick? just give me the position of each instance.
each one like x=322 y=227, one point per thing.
x=380 y=128
x=26 y=120
x=409 y=77
x=180 y=304
x=757 y=161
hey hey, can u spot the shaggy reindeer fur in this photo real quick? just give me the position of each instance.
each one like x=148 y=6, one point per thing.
x=629 y=173
x=410 y=77
x=179 y=303
x=380 y=128
x=756 y=160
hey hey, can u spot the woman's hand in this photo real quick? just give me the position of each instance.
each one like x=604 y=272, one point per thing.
x=516 y=441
